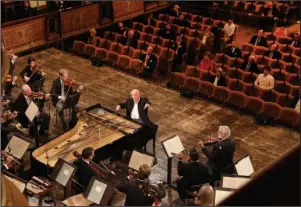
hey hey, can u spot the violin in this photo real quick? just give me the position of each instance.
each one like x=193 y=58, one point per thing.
x=212 y=141
x=38 y=95
x=70 y=83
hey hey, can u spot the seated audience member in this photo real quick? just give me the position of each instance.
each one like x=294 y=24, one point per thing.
x=92 y=37
x=219 y=79
x=265 y=80
x=25 y=10
x=135 y=195
x=167 y=33
x=272 y=12
x=297 y=107
x=149 y=62
x=120 y=29
x=205 y=197
x=273 y=53
x=180 y=49
x=234 y=51
x=250 y=65
x=193 y=173
x=181 y=21
x=207 y=39
x=296 y=40
x=259 y=39
x=175 y=11
x=281 y=31
x=206 y=63
x=84 y=171
x=129 y=40
x=149 y=20
x=229 y=29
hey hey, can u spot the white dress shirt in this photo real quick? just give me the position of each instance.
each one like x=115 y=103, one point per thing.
x=135 y=113
x=265 y=82
x=62 y=88
x=27 y=99
x=86 y=161
x=229 y=29
x=215 y=81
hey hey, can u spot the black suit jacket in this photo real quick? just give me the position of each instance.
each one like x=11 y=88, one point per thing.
x=134 y=195
x=84 y=172
x=151 y=63
x=253 y=67
x=183 y=23
x=220 y=82
x=27 y=72
x=296 y=43
x=173 y=13
x=133 y=42
x=143 y=113
x=181 y=51
x=276 y=54
x=262 y=42
x=56 y=90
x=8 y=88
x=194 y=173
x=21 y=106
x=120 y=31
x=236 y=53
x=170 y=35
x=221 y=155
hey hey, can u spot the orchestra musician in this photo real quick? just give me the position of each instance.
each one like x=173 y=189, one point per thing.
x=21 y=105
x=62 y=89
x=137 y=109
x=220 y=159
x=31 y=73
x=193 y=172
x=84 y=171
x=137 y=188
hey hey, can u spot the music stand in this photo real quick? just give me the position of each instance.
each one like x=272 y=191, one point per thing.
x=72 y=100
x=234 y=181
x=99 y=192
x=62 y=172
x=221 y=194
x=17 y=147
x=139 y=158
x=244 y=166
x=172 y=146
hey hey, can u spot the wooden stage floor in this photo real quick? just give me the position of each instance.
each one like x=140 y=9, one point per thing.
x=191 y=119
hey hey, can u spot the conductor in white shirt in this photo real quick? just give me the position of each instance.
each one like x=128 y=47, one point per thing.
x=265 y=80
x=137 y=110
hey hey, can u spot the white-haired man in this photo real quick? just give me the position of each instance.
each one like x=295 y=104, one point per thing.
x=149 y=62
x=137 y=109
x=220 y=159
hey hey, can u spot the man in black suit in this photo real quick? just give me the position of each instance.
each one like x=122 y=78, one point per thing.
x=268 y=14
x=296 y=40
x=149 y=62
x=273 y=53
x=180 y=49
x=250 y=65
x=181 y=21
x=167 y=33
x=59 y=97
x=193 y=173
x=234 y=51
x=175 y=11
x=137 y=109
x=259 y=39
x=84 y=172
x=220 y=159
x=218 y=79
x=129 y=39
x=29 y=74
x=134 y=188
x=21 y=105
x=120 y=29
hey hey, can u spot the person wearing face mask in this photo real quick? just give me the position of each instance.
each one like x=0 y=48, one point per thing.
x=218 y=79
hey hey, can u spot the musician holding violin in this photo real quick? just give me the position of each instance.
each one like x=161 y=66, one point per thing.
x=10 y=80
x=32 y=72
x=62 y=88
x=21 y=105
x=192 y=172
x=220 y=158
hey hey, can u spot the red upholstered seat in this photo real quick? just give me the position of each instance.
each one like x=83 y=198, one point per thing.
x=253 y=105
x=294 y=79
x=236 y=98
x=101 y=53
x=78 y=47
x=135 y=66
x=192 y=83
x=271 y=109
x=260 y=50
x=177 y=80
x=292 y=68
x=124 y=62
x=205 y=89
x=89 y=50
x=269 y=95
x=220 y=94
x=285 y=100
x=112 y=57
x=190 y=70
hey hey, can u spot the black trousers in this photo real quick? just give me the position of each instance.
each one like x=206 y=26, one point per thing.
x=43 y=120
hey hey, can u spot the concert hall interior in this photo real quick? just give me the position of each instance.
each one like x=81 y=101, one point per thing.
x=150 y=103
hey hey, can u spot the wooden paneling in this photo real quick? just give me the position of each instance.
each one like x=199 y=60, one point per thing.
x=27 y=33
x=80 y=19
x=127 y=9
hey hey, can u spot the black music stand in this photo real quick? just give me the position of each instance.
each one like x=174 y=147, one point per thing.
x=63 y=172
x=72 y=100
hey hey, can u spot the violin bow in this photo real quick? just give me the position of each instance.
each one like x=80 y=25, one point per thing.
x=36 y=70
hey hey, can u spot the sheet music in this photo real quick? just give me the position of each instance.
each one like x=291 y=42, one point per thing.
x=97 y=191
x=17 y=147
x=244 y=167
x=18 y=183
x=234 y=182
x=65 y=172
x=139 y=159
x=32 y=111
x=221 y=195
x=173 y=145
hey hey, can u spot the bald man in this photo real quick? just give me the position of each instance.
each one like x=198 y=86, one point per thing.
x=129 y=39
x=21 y=105
x=220 y=159
x=250 y=65
x=259 y=39
x=137 y=109
x=149 y=62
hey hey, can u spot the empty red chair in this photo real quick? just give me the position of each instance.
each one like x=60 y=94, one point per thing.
x=289 y=58
x=283 y=87
x=270 y=37
x=292 y=68
x=269 y=95
x=100 y=42
x=158 y=50
x=190 y=71
x=78 y=47
x=259 y=50
x=205 y=89
x=89 y=50
x=205 y=75
x=220 y=94
x=236 y=99
x=177 y=80
x=221 y=58
x=192 y=83
x=294 y=79
x=141 y=35
x=295 y=90
x=117 y=37
x=135 y=66
x=249 y=77
x=296 y=51
x=253 y=105
x=112 y=58
x=124 y=62
x=235 y=84
x=247 y=47
x=262 y=60
x=285 y=49
x=288 y=117
x=279 y=75
x=236 y=73
x=101 y=53
x=133 y=53
x=277 y=64
x=120 y=49
x=283 y=40
x=271 y=109
x=285 y=100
